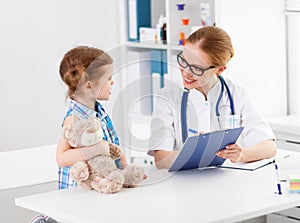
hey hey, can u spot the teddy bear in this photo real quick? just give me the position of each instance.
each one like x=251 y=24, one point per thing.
x=100 y=172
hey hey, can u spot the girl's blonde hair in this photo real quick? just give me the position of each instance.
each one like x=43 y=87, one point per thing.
x=215 y=42
x=82 y=64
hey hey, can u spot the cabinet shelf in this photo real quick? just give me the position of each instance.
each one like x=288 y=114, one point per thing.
x=151 y=45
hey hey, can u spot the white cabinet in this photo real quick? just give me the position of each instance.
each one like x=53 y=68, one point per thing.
x=288 y=216
x=287 y=132
x=257 y=29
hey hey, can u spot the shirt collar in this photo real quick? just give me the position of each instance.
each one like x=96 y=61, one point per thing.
x=100 y=110
x=215 y=90
x=85 y=112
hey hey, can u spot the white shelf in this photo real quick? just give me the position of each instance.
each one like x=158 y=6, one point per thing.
x=151 y=45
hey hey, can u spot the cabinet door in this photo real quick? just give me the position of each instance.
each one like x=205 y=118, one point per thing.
x=275 y=218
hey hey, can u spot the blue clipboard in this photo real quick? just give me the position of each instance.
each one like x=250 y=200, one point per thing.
x=200 y=151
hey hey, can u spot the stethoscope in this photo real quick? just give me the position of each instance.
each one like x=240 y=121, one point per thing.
x=185 y=94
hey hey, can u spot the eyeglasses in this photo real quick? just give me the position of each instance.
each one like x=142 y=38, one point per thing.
x=198 y=71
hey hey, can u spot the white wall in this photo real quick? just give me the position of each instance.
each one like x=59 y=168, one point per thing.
x=293 y=48
x=34 y=37
x=293 y=29
x=257 y=30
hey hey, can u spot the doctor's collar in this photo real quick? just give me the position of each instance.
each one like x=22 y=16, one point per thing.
x=186 y=89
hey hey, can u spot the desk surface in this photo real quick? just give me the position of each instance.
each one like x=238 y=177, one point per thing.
x=211 y=195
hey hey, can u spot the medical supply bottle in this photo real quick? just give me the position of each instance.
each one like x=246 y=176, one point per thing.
x=205 y=14
x=159 y=30
x=164 y=33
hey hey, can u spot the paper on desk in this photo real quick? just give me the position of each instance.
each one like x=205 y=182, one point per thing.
x=247 y=166
x=281 y=154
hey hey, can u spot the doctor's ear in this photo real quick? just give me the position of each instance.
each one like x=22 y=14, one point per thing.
x=220 y=70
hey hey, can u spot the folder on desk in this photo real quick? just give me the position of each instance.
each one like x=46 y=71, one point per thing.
x=200 y=151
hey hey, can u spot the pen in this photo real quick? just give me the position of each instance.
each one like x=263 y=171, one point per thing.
x=193 y=131
x=277 y=175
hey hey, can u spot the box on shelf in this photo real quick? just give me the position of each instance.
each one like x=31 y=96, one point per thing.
x=147 y=34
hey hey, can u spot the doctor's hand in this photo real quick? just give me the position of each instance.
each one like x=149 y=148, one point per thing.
x=232 y=152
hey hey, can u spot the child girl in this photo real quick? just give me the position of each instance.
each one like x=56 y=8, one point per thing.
x=87 y=72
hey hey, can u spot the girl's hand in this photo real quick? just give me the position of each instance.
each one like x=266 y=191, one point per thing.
x=232 y=152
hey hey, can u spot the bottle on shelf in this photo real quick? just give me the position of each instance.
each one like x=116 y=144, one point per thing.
x=205 y=14
x=164 y=31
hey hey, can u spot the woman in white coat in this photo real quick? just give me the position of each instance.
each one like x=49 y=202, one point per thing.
x=212 y=103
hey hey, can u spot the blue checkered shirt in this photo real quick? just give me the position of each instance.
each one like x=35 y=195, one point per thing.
x=82 y=112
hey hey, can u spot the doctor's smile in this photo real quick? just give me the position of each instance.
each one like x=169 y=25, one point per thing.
x=189 y=81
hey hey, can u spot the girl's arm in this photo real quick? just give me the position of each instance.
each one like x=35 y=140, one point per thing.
x=262 y=150
x=164 y=159
x=66 y=155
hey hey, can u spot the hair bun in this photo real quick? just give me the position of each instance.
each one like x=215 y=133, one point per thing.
x=73 y=76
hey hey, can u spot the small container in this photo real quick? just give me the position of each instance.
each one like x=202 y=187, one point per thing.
x=180 y=7
x=185 y=22
x=181 y=39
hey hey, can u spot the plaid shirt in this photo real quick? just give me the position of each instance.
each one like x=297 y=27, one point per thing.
x=82 y=112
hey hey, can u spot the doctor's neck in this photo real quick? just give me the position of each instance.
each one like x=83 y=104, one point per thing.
x=207 y=87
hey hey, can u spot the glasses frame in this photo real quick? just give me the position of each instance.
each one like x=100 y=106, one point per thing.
x=179 y=57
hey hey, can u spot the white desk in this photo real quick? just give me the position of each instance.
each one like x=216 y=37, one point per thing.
x=25 y=162
x=212 y=195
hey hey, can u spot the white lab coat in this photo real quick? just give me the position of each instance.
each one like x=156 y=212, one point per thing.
x=201 y=116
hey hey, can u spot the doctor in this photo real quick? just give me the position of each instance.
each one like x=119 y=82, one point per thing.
x=207 y=102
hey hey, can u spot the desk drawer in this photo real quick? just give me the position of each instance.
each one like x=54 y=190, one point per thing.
x=293 y=212
x=291 y=146
x=276 y=218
